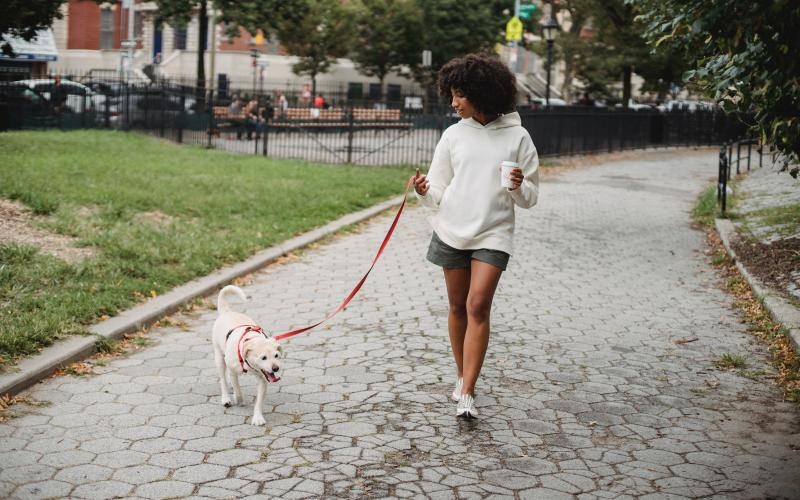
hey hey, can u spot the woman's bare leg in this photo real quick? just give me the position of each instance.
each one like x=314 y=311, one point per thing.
x=457 y=281
x=483 y=283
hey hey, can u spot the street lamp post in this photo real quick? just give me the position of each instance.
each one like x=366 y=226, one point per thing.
x=549 y=28
x=254 y=55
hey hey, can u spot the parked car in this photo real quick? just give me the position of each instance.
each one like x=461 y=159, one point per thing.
x=77 y=98
x=541 y=102
x=636 y=106
x=686 y=106
x=148 y=107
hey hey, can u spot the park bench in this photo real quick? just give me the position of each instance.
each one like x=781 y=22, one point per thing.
x=379 y=118
x=224 y=120
x=360 y=118
x=310 y=118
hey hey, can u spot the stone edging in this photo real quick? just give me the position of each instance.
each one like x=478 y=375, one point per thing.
x=31 y=370
x=779 y=308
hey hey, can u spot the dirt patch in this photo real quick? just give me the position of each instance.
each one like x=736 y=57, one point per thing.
x=155 y=218
x=776 y=263
x=17 y=226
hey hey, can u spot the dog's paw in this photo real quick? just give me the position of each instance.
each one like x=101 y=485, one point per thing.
x=237 y=399
x=258 y=420
x=226 y=401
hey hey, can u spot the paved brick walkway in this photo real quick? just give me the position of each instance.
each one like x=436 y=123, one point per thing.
x=584 y=391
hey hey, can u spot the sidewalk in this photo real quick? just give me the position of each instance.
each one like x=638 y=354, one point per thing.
x=584 y=390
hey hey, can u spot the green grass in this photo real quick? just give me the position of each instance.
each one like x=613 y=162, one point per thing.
x=731 y=361
x=784 y=219
x=706 y=207
x=157 y=214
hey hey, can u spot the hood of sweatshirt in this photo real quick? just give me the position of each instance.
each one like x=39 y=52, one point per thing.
x=503 y=121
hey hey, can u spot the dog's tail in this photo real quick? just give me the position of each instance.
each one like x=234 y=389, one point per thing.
x=222 y=303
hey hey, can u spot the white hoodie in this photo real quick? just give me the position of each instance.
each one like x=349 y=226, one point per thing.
x=475 y=211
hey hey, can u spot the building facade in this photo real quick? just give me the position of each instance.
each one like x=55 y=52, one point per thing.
x=89 y=39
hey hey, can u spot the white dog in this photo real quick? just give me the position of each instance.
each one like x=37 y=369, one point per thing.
x=241 y=346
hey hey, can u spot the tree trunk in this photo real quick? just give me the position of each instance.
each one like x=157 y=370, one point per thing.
x=313 y=87
x=627 y=70
x=382 y=77
x=566 y=87
x=202 y=19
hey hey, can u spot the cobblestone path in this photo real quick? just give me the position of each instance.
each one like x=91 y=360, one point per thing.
x=584 y=391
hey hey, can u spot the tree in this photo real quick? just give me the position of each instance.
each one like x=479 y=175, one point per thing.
x=454 y=28
x=744 y=54
x=388 y=36
x=318 y=32
x=570 y=42
x=23 y=18
x=179 y=13
x=252 y=14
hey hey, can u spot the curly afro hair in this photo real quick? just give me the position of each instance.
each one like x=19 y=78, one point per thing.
x=483 y=79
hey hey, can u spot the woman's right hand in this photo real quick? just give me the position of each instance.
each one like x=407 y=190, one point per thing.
x=420 y=184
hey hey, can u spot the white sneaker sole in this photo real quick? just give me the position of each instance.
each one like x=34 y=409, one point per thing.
x=466 y=414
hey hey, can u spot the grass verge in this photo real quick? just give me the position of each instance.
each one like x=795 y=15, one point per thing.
x=759 y=323
x=158 y=214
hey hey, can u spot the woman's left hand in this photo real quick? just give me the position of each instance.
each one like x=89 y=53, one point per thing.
x=516 y=178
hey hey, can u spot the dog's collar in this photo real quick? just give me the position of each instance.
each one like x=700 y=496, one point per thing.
x=247 y=329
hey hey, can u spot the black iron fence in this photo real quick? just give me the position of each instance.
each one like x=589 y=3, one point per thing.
x=384 y=133
x=727 y=160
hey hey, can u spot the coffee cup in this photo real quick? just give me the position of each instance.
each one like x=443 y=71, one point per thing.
x=505 y=173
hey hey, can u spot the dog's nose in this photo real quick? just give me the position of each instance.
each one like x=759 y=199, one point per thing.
x=275 y=368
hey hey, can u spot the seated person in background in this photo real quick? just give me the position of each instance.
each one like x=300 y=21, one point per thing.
x=254 y=121
x=235 y=114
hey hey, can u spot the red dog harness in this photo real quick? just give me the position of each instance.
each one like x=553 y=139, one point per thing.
x=247 y=329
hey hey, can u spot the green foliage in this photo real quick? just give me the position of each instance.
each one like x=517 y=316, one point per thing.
x=388 y=35
x=22 y=18
x=454 y=28
x=317 y=33
x=743 y=53
x=603 y=45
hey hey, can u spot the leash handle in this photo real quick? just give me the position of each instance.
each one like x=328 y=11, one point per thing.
x=292 y=333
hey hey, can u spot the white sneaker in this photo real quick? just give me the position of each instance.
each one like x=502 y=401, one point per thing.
x=457 y=389
x=466 y=407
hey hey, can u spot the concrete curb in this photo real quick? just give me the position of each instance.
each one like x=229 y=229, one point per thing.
x=779 y=308
x=31 y=370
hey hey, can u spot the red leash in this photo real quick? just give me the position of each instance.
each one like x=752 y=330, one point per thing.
x=292 y=333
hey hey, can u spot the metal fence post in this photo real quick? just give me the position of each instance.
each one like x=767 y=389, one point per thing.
x=83 y=111
x=738 y=156
x=181 y=116
x=350 y=137
x=210 y=127
x=723 y=184
x=749 y=147
x=107 y=116
x=266 y=135
x=163 y=117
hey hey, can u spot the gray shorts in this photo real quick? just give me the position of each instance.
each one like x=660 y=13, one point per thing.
x=442 y=254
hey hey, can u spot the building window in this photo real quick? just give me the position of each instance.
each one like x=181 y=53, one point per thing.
x=375 y=91
x=355 y=90
x=179 y=39
x=106 y=29
x=393 y=92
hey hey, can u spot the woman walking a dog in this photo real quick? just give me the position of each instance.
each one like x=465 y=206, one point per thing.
x=483 y=166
